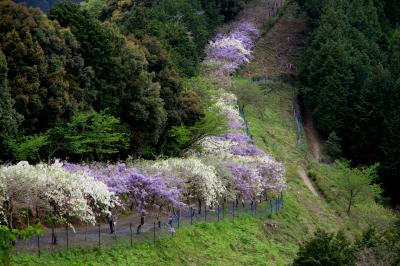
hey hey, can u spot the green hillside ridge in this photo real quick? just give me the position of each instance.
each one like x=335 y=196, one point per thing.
x=246 y=240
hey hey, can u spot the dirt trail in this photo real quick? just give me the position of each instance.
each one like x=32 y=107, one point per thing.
x=307 y=181
x=277 y=50
x=313 y=140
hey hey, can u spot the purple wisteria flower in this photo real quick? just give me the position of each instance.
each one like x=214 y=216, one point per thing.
x=144 y=191
x=245 y=180
x=233 y=49
x=247 y=149
x=248 y=28
x=240 y=138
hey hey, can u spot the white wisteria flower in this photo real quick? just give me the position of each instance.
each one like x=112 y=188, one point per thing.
x=196 y=180
x=50 y=187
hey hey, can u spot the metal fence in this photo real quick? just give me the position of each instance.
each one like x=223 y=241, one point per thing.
x=126 y=229
x=126 y=234
x=296 y=114
x=246 y=125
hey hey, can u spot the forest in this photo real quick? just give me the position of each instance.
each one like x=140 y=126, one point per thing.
x=350 y=75
x=96 y=82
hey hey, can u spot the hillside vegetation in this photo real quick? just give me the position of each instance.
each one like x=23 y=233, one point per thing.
x=267 y=103
x=350 y=81
x=119 y=65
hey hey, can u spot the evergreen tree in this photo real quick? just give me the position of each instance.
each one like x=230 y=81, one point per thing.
x=332 y=145
x=45 y=70
x=9 y=118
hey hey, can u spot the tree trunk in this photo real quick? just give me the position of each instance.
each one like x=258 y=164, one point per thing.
x=199 y=206
x=349 y=206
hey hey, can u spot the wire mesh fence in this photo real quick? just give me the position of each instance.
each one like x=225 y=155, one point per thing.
x=125 y=231
x=130 y=230
x=296 y=114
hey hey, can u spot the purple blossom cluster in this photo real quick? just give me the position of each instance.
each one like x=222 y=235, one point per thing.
x=242 y=145
x=244 y=180
x=144 y=192
x=234 y=122
x=247 y=149
x=234 y=49
x=249 y=172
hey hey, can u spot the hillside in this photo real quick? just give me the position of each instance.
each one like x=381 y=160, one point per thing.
x=314 y=197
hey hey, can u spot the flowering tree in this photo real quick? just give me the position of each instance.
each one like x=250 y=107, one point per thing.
x=141 y=192
x=246 y=171
x=232 y=50
x=197 y=181
x=50 y=187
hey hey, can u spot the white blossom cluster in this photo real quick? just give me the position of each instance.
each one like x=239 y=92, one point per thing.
x=49 y=187
x=231 y=42
x=196 y=180
x=253 y=171
x=272 y=172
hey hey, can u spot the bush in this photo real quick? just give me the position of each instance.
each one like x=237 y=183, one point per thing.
x=8 y=237
x=312 y=175
x=326 y=249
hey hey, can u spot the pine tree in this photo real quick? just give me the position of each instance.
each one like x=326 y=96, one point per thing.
x=9 y=118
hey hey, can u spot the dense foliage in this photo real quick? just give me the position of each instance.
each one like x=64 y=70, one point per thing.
x=76 y=59
x=350 y=73
x=372 y=248
x=182 y=26
x=9 y=236
x=326 y=249
x=52 y=68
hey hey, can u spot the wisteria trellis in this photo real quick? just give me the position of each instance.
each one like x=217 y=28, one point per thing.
x=230 y=51
x=227 y=167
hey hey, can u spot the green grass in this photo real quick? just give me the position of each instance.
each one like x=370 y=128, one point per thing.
x=243 y=241
x=273 y=128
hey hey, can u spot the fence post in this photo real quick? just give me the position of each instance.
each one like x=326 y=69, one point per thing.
x=130 y=229
x=66 y=230
x=86 y=231
x=53 y=236
x=279 y=203
x=115 y=230
x=270 y=204
x=154 y=233
x=233 y=210
x=218 y=212
x=38 y=244
x=205 y=212
x=191 y=215
x=179 y=217
x=99 y=225
x=255 y=208
x=223 y=210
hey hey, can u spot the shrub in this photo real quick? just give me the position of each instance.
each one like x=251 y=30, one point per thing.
x=326 y=249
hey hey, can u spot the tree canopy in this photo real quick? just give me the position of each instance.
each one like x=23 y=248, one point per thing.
x=350 y=69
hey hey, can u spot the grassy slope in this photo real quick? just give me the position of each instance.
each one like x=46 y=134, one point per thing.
x=269 y=111
x=245 y=241
x=239 y=242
